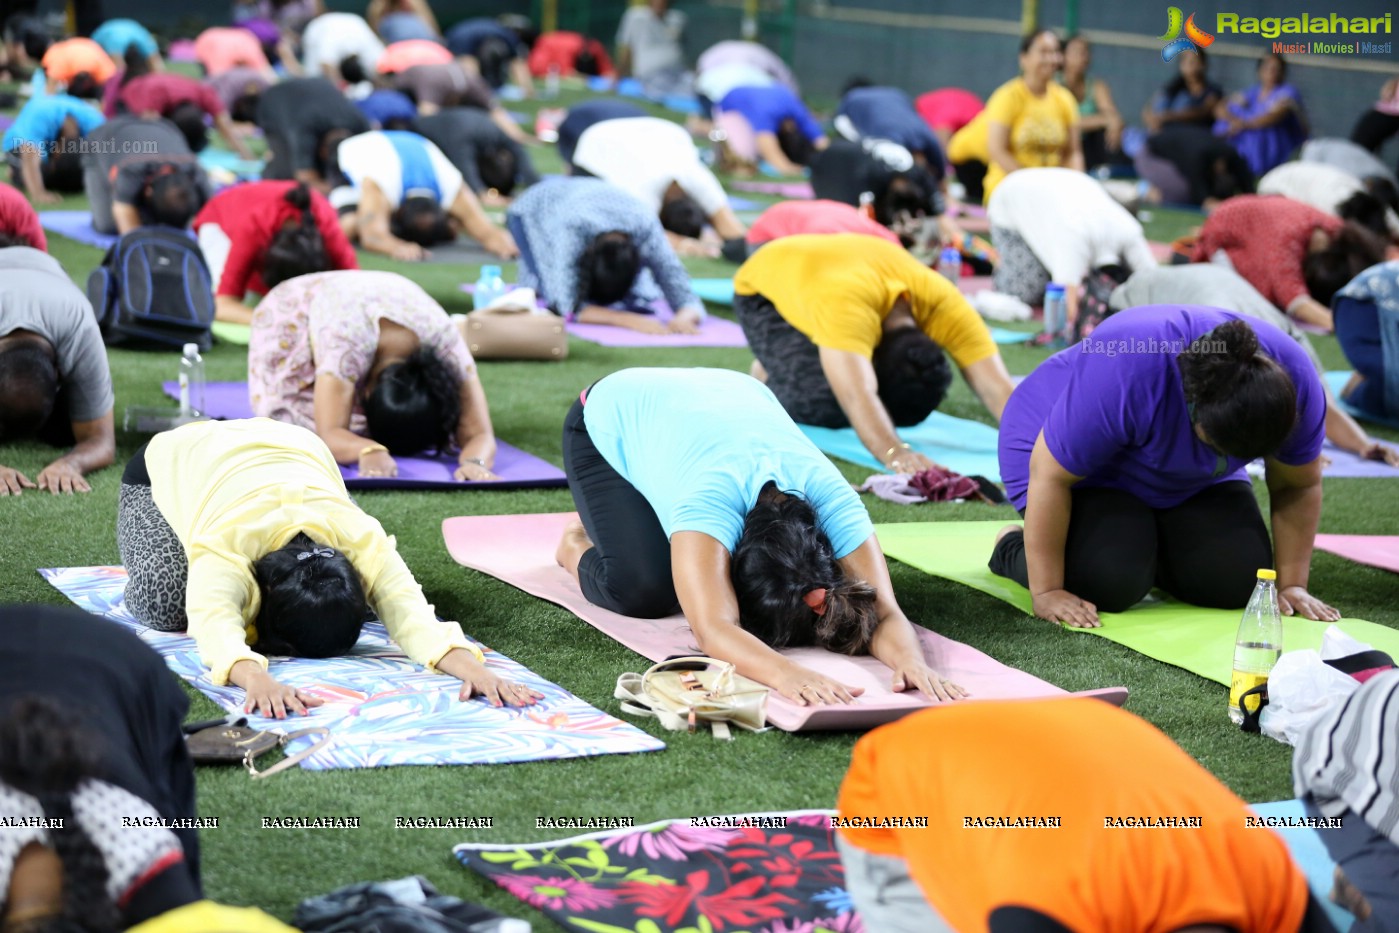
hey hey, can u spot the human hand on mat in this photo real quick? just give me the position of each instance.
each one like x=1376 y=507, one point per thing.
x=1381 y=452
x=1295 y=600
x=45 y=197
x=643 y=323
x=267 y=697
x=476 y=679
x=13 y=482
x=62 y=477
x=915 y=675
x=378 y=463
x=805 y=687
x=1063 y=606
x=405 y=251
x=474 y=473
x=686 y=321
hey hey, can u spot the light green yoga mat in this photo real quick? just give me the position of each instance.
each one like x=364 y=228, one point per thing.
x=240 y=334
x=1199 y=640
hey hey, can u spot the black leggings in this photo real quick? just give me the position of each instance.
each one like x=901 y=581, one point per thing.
x=1205 y=551
x=1373 y=130
x=627 y=570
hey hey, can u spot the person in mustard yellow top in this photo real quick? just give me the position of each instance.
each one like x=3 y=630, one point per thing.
x=849 y=330
x=1030 y=121
x=242 y=533
x=1077 y=816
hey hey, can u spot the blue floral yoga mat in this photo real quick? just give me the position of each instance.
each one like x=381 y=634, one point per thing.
x=380 y=707
x=682 y=875
x=966 y=447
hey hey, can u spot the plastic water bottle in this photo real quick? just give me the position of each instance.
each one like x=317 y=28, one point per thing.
x=1056 y=315
x=489 y=287
x=867 y=204
x=191 y=382
x=551 y=83
x=1257 y=646
x=950 y=264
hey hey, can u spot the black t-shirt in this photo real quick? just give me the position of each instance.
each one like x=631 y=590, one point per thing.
x=462 y=132
x=844 y=170
x=296 y=113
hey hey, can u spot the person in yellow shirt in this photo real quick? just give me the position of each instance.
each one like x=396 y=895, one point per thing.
x=242 y=533
x=1029 y=121
x=849 y=330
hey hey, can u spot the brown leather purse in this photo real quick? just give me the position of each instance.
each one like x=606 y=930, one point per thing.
x=505 y=333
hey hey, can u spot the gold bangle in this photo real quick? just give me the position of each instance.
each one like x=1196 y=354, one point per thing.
x=371 y=449
x=890 y=452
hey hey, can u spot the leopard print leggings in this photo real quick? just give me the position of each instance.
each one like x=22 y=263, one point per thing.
x=156 y=566
x=1019 y=271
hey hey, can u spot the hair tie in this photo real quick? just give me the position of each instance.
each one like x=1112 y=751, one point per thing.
x=816 y=600
x=317 y=552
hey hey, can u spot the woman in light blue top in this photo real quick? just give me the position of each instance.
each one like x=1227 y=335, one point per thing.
x=698 y=492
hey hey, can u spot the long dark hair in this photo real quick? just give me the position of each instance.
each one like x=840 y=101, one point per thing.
x=296 y=248
x=1351 y=251
x=782 y=564
x=1177 y=83
x=136 y=64
x=313 y=603
x=416 y=405
x=46 y=754
x=1243 y=400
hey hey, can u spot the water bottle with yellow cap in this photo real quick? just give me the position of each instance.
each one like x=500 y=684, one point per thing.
x=1257 y=646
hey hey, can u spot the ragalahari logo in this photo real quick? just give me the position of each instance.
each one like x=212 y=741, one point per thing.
x=1193 y=40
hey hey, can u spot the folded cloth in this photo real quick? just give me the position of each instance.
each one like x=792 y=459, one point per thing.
x=408 y=904
x=934 y=484
x=998 y=306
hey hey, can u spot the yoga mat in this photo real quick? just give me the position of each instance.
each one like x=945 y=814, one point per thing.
x=1380 y=551
x=238 y=334
x=782 y=875
x=714 y=332
x=382 y=708
x=718 y=291
x=250 y=169
x=799 y=190
x=743 y=204
x=966 y=447
x=516 y=469
x=76 y=225
x=1346 y=465
x=1310 y=854
x=519 y=549
x=6 y=121
x=1337 y=381
x=1008 y=337
x=462 y=250
x=1199 y=640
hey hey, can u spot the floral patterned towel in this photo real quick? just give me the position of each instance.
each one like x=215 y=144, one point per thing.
x=380 y=707
x=761 y=873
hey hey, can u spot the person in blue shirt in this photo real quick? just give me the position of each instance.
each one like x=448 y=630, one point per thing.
x=117 y=35
x=41 y=145
x=784 y=132
x=870 y=112
x=495 y=51
x=697 y=492
x=387 y=109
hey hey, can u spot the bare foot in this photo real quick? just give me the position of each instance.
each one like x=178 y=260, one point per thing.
x=758 y=372
x=1007 y=530
x=572 y=546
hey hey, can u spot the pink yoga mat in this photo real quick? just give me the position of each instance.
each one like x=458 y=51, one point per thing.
x=516 y=469
x=1162 y=251
x=1380 y=551
x=801 y=190
x=519 y=549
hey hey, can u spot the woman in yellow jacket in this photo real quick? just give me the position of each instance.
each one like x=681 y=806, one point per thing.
x=242 y=533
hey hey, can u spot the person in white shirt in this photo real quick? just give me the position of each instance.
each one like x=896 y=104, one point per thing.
x=656 y=161
x=1335 y=192
x=648 y=45
x=332 y=38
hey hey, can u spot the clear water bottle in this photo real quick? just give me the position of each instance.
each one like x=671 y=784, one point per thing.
x=1056 y=315
x=1258 y=645
x=551 y=83
x=950 y=264
x=191 y=382
x=867 y=204
x=489 y=287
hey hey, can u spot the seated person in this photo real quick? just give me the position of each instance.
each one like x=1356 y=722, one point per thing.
x=581 y=116
x=1346 y=156
x=433 y=87
x=902 y=195
x=1220 y=875
x=185 y=102
x=1267 y=122
x=221 y=48
x=1343 y=768
x=568 y=54
x=697 y=493
x=850 y=330
x=161 y=183
x=1301 y=264
x=53 y=373
x=584 y=245
x=1380 y=121
x=794 y=218
x=1058 y=225
x=1213 y=285
x=360 y=356
x=330 y=39
x=19 y=223
x=657 y=162
x=66 y=60
x=387 y=109
x=784 y=134
x=400 y=56
x=1180 y=117
x=868 y=112
x=492 y=162
x=493 y=51
x=52 y=122
x=117 y=36
x=257 y=235
x=1366 y=313
x=407 y=197
x=404 y=21
x=1129 y=467
x=211 y=540
x=947 y=110
x=304 y=120
x=649 y=46
x=1334 y=192
x=1099 y=122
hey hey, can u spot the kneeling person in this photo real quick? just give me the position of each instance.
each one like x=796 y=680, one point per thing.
x=162 y=183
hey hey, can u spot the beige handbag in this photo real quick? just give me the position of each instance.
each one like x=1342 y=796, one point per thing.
x=684 y=692
x=512 y=333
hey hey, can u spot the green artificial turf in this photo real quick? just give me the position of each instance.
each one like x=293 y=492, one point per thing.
x=274 y=869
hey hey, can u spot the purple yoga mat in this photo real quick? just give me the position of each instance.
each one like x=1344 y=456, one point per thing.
x=801 y=190
x=1346 y=465
x=6 y=121
x=76 y=225
x=516 y=469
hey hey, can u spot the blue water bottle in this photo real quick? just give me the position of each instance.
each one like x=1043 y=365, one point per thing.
x=489 y=287
x=950 y=264
x=1056 y=316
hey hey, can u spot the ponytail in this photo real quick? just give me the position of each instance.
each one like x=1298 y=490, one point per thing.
x=295 y=249
x=1239 y=396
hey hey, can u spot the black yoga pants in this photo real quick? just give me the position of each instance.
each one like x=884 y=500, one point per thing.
x=1205 y=551
x=627 y=570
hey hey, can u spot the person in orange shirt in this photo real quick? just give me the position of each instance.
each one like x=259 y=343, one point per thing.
x=1076 y=816
x=65 y=60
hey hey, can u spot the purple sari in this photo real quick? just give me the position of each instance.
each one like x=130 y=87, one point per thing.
x=1269 y=147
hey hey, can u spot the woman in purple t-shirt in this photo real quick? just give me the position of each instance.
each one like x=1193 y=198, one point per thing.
x=1126 y=455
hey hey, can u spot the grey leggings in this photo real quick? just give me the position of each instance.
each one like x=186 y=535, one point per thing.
x=157 y=568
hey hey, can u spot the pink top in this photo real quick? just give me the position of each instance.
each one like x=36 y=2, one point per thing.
x=17 y=218
x=327 y=323
x=792 y=218
x=400 y=56
x=221 y=48
x=949 y=108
